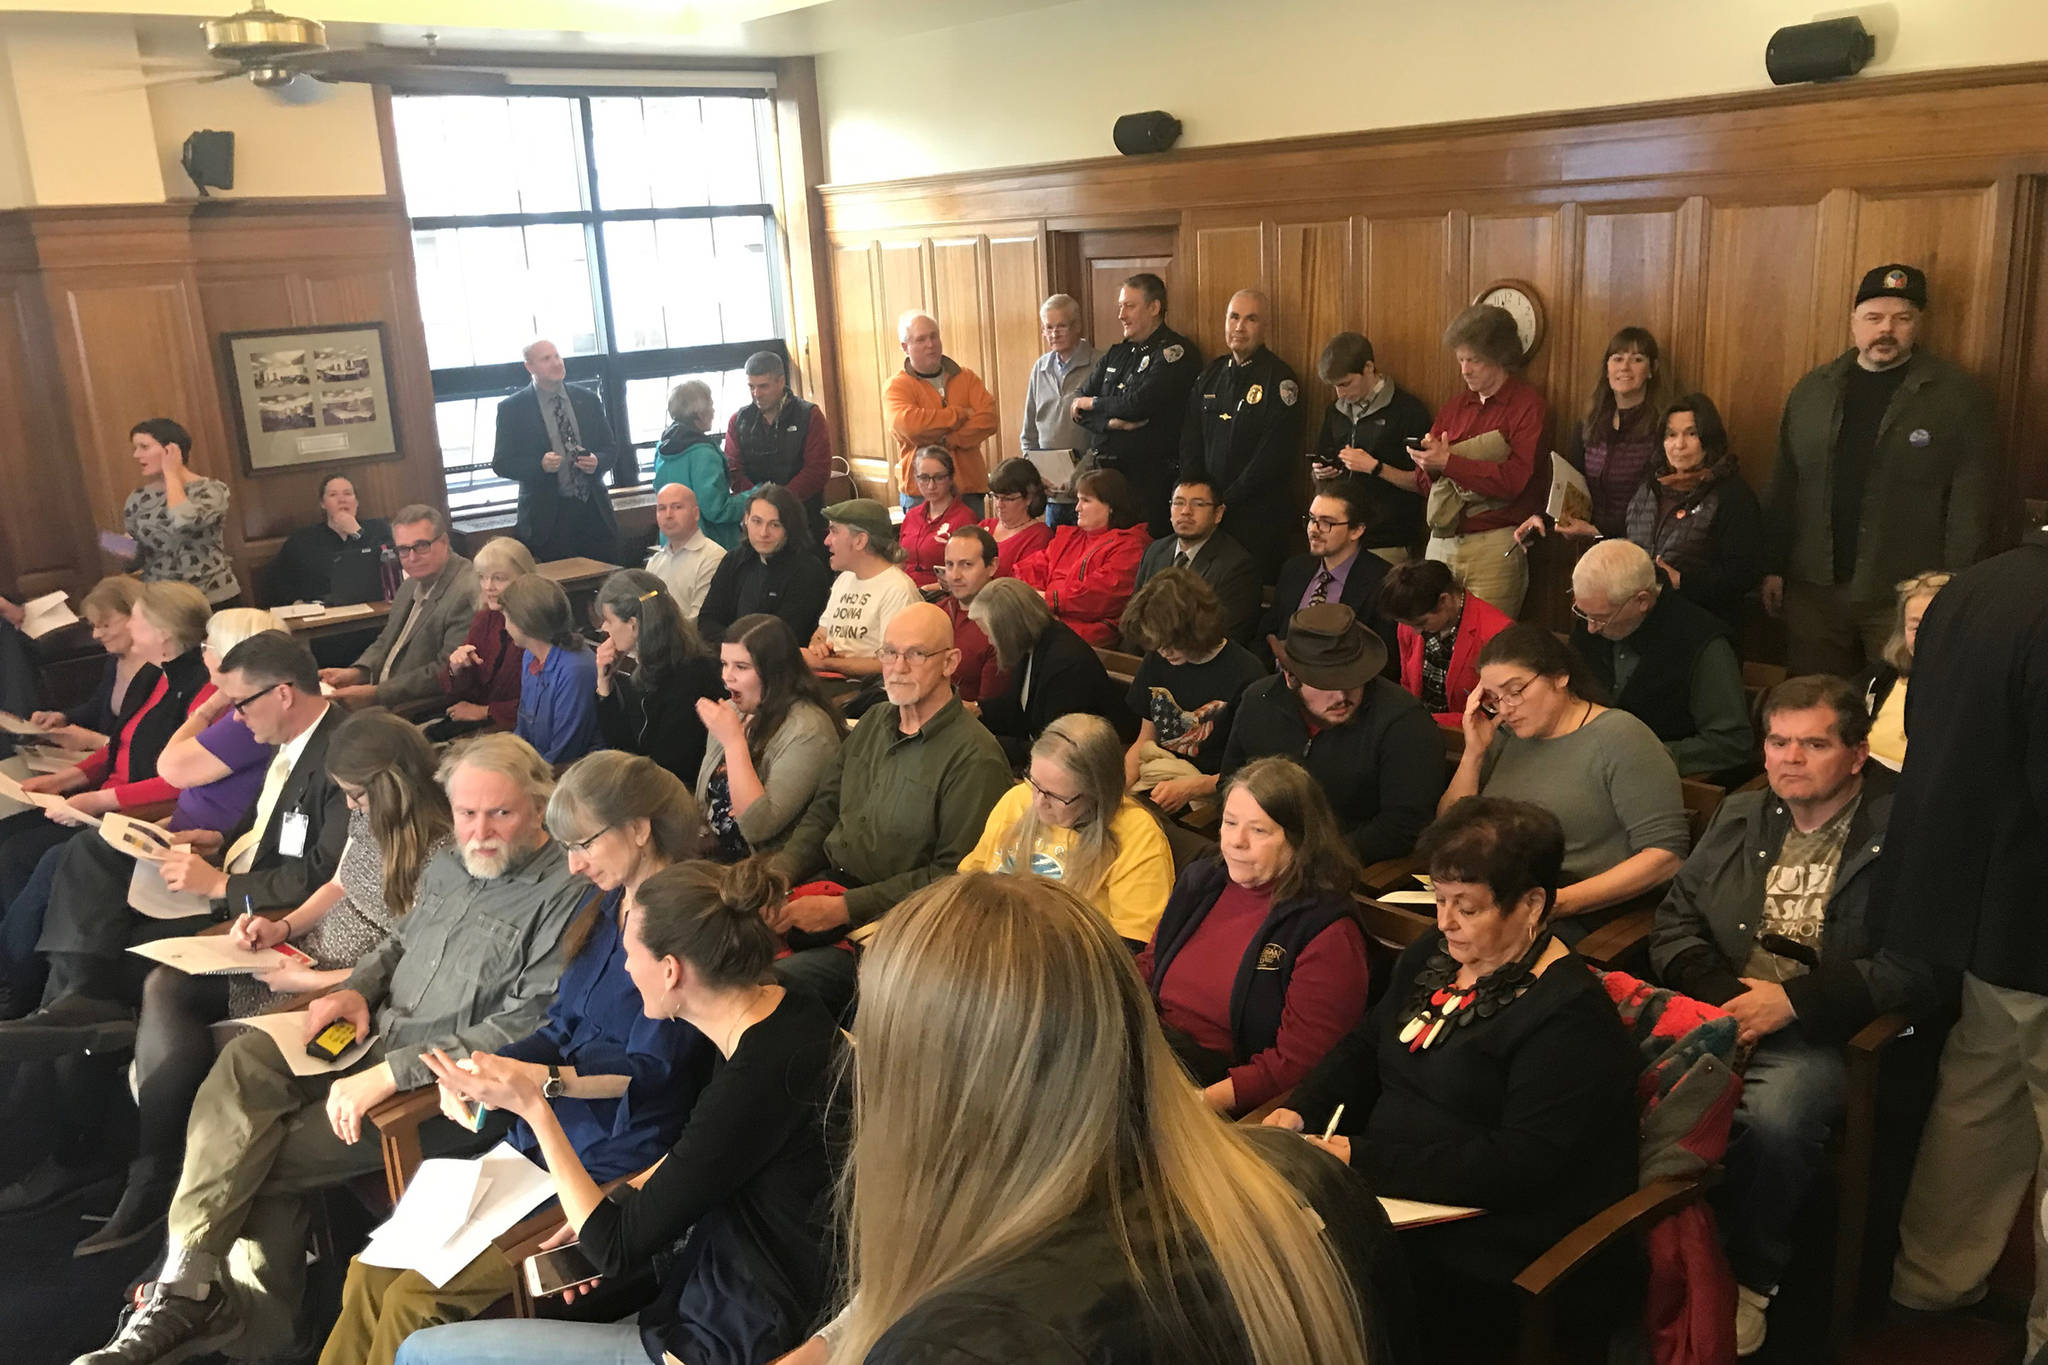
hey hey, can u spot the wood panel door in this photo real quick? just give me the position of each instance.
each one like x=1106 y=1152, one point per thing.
x=1092 y=266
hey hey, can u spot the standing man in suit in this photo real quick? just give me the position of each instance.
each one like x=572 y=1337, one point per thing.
x=1137 y=398
x=429 y=619
x=1334 y=569
x=780 y=439
x=554 y=441
x=1196 y=512
x=1056 y=381
x=1243 y=431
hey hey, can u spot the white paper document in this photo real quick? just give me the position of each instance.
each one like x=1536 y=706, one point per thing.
x=1413 y=1213
x=1569 y=496
x=1055 y=467
x=1407 y=898
x=147 y=895
x=217 y=955
x=136 y=838
x=44 y=614
x=12 y=791
x=292 y=611
x=453 y=1210
x=289 y=1030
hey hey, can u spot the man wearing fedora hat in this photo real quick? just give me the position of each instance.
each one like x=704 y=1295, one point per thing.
x=1885 y=466
x=1369 y=743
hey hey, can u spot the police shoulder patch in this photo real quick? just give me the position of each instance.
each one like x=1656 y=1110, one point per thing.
x=1174 y=353
x=1289 y=391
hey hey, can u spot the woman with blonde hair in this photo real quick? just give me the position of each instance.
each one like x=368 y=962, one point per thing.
x=1049 y=670
x=106 y=608
x=1069 y=820
x=1091 y=1207
x=481 y=678
x=1884 y=691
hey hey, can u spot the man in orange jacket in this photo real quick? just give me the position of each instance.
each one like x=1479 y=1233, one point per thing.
x=935 y=401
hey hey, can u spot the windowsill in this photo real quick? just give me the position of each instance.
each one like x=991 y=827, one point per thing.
x=500 y=520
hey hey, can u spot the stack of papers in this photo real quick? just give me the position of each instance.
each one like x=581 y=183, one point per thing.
x=46 y=613
x=217 y=955
x=289 y=1029
x=453 y=1210
x=293 y=610
x=12 y=790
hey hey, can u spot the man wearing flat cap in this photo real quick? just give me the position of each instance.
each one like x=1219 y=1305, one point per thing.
x=1885 y=470
x=868 y=591
x=1370 y=744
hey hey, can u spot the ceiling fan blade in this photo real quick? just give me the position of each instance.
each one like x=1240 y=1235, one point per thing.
x=190 y=78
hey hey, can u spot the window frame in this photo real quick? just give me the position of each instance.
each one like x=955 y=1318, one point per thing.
x=609 y=370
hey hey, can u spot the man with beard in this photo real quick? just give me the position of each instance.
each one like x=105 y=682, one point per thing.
x=901 y=806
x=470 y=968
x=1335 y=569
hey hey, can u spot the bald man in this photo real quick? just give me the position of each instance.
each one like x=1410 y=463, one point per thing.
x=689 y=558
x=1243 y=434
x=903 y=803
x=935 y=401
x=555 y=443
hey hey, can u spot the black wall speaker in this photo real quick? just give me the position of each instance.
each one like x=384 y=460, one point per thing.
x=1823 y=51
x=1153 y=131
x=209 y=159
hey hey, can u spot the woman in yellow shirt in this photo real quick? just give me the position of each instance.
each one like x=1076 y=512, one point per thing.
x=1885 y=692
x=1079 y=827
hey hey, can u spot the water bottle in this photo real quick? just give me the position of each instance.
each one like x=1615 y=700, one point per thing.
x=389 y=572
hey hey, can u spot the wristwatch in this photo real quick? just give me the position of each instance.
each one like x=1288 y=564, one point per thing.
x=553 y=1087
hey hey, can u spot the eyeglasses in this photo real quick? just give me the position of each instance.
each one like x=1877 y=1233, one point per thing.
x=1063 y=802
x=1512 y=692
x=241 y=708
x=418 y=547
x=583 y=845
x=908 y=656
x=1325 y=523
x=939 y=477
x=1593 y=621
x=1190 y=504
x=1006 y=497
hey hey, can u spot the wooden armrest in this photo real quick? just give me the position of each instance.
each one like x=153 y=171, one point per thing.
x=151 y=812
x=1389 y=874
x=1617 y=938
x=1871 y=1039
x=1602 y=1230
x=525 y=1237
x=398 y=1121
x=1258 y=1115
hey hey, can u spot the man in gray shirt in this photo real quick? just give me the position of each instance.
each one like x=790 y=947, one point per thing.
x=1056 y=381
x=471 y=967
x=429 y=619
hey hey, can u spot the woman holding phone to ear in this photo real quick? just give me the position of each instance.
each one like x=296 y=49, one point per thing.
x=749 y=1178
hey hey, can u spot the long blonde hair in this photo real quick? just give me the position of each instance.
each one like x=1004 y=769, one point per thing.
x=1897 y=652
x=1008 y=1009
x=1087 y=747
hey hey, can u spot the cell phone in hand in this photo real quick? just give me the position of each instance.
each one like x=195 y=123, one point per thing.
x=560 y=1268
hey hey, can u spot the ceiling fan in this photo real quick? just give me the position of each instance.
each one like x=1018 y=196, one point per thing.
x=271 y=49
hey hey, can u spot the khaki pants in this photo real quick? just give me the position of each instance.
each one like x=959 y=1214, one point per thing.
x=1827 y=632
x=1983 y=1148
x=1482 y=563
x=380 y=1308
x=1156 y=765
x=1393 y=554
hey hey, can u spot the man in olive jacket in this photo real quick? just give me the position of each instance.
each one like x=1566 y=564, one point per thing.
x=1771 y=918
x=1885 y=470
x=905 y=801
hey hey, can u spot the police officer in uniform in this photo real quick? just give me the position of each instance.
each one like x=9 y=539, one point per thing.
x=1137 y=398
x=1244 y=432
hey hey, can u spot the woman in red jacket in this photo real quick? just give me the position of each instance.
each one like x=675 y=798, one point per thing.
x=929 y=525
x=1089 y=571
x=1016 y=501
x=1442 y=629
x=481 y=678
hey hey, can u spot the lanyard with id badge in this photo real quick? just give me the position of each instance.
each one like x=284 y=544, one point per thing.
x=291 y=835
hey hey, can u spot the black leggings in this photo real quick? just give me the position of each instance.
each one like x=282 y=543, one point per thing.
x=173 y=1052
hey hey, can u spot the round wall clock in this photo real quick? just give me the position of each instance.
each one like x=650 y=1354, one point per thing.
x=1519 y=298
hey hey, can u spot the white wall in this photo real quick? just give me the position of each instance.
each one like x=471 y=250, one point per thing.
x=312 y=139
x=79 y=111
x=1024 y=89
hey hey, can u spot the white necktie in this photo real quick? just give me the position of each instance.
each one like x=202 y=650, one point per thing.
x=412 y=618
x=244 y=851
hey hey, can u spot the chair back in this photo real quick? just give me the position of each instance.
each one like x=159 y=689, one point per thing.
x=1702 y=799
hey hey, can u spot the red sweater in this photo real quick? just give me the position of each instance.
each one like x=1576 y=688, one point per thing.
x=493 y=682
x=1325 y=995
x=978 y=675
x=1021 y=545
x=1519 y=414
x=924 y=540
x=1088 y=577
x=104 y=773
x=1480 y=622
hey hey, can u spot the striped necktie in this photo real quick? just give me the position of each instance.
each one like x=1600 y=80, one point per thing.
x=1324 y=578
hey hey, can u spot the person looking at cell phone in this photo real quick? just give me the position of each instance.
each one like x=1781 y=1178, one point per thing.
x=618 y=1081
x=747 y=1181
x=398 y=821
x=1369 y=430
x=1533 y=733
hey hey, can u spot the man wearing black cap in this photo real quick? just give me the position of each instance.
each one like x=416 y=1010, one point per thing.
x=1370 y=744
x=1884 y=471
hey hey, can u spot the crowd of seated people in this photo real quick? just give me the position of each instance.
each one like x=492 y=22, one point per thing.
x=1102 y=904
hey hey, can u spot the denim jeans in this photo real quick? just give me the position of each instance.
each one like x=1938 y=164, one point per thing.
x=526 y=1341
x=1791 y=1101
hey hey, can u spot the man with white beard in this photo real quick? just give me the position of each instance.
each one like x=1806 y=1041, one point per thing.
x=471 y=967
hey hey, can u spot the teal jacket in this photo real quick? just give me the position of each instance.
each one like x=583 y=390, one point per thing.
x=690 y=457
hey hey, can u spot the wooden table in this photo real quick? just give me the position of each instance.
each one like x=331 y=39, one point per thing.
x=577 y=576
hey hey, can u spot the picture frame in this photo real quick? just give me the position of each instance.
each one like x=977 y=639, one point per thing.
x=312 y=397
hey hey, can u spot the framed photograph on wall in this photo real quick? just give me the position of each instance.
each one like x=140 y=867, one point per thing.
x=312 y=396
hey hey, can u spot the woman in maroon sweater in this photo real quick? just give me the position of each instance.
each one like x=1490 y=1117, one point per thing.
x=1258 y=965
x=481 y=678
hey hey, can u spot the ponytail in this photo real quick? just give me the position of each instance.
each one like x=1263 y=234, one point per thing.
x=714 y=918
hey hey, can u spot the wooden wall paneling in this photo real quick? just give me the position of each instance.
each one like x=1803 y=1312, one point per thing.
x=2024 y=397
x=1948 y=233
x=1315 y=296
x=1628 y=276
x=1227 y=259
x=1407 y=272
x=1523 y=246
x=960 y=299
x=903 y=282
x=1101 y=260
x=1017 y=285
x=1760 y=335
x=45 y=540
x=859 y=344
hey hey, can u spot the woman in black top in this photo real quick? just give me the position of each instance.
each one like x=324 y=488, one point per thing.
x=739 y=1209
x=1697 y=518
x=340 y=559
x=1050 y=670
x=1493 y=1073
x=1185 y=690
x=1033 y=1179
x=652 y=710
x=777 y=570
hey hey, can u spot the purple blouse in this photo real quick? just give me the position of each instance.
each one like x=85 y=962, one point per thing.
x=221 y=805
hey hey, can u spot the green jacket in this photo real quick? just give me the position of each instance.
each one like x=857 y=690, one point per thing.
x=1927 y=504
x=897 y=812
